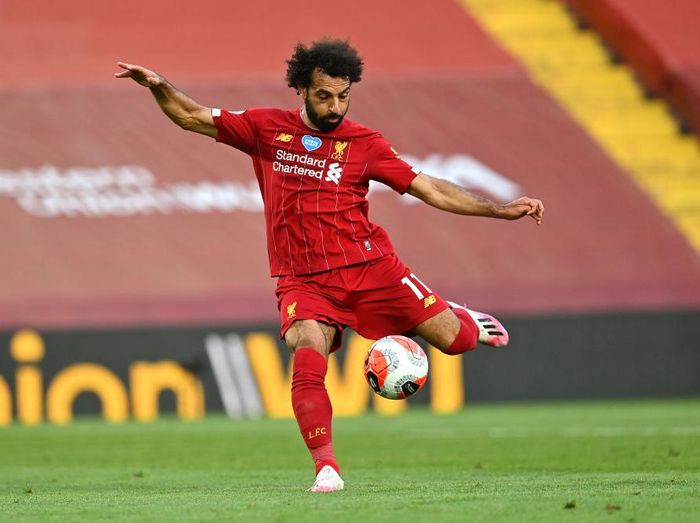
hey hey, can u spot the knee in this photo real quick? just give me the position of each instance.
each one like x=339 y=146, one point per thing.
x=307 y=334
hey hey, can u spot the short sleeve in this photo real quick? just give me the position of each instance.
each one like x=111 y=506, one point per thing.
x=234 y=128
x=385 y=165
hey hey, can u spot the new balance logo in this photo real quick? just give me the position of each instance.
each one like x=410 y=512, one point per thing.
x=284 y=137
x=334 y=173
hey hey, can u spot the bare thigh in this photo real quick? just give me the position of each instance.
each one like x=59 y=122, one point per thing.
x=310 y=333
x=440 y=330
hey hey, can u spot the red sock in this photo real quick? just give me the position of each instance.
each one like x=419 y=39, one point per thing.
x=312 y=406
x=467 y=336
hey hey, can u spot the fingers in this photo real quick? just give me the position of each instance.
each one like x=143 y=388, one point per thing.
x=525 y=207
x=124 y=74
x=536 y=210
x=130 y=70
x=130 y=67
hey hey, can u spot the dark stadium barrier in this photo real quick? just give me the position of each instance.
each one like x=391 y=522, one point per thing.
x=137 y=373
x=244 y=371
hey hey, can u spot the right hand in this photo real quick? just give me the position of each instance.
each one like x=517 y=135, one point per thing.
x=523 y=207
x=140 y=75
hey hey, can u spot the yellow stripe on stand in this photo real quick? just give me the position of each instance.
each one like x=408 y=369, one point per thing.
x=573 y=66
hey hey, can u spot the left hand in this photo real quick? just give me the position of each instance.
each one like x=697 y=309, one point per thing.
x=140 y=75
x=522 y=207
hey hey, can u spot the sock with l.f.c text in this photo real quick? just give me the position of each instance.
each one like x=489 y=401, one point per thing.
x=467 y=336
x=312 y=406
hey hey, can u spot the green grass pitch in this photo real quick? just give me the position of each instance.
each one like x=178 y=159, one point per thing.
x=636 y=461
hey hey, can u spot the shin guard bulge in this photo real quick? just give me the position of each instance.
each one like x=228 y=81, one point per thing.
x=467 y=336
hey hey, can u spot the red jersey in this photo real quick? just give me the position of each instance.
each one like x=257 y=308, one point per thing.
x=314 y=187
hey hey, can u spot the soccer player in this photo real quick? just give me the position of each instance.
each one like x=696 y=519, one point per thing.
x=335 y=268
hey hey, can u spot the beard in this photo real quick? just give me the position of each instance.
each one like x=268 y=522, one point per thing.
x=323 y=123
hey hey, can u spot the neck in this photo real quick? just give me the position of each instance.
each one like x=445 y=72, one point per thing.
x=305 y=119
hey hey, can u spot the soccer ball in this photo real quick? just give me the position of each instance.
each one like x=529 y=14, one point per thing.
x=396 y=367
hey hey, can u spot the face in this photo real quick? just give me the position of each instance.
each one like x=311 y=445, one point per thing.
x=326 y=101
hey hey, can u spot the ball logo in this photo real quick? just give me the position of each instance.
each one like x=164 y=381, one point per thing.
x=410 y=388
x=373 y=382
x=311 y=143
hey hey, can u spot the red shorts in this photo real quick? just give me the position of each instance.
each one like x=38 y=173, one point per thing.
x=376 y=299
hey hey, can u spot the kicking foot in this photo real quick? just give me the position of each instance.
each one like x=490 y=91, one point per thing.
x=491 y=332
x=327 y=480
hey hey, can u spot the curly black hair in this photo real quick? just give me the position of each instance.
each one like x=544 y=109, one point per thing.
x=334 y=57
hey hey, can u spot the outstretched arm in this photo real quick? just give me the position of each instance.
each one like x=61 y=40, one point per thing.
x=179 y=107
x=447 y=196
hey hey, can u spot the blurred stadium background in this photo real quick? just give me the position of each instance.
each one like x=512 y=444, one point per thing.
x=133 y=274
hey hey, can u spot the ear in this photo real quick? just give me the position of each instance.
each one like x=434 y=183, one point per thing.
x=303 y=92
